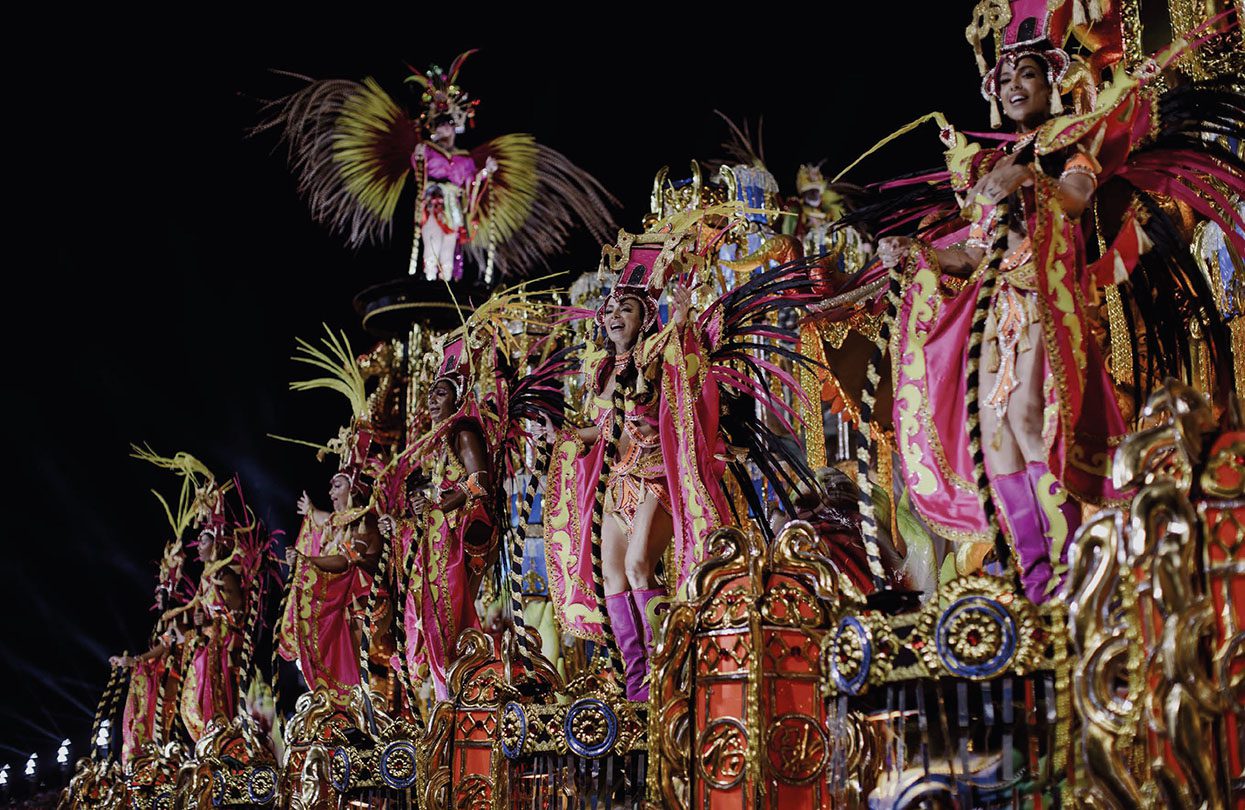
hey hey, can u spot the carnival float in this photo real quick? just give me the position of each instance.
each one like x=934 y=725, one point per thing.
x=924 y=491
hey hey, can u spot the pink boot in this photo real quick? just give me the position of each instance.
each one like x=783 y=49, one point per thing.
x=1058 y=514
x=630 y=644
x=1019 y=508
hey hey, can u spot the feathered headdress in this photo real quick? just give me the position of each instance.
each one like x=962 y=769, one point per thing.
x=195 y=475
x=451 y=369
x=351 y=146
x=443 y=97
x=201 y=503
x=353 y=443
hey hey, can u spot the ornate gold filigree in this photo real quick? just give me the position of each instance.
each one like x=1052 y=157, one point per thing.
x=979 y=628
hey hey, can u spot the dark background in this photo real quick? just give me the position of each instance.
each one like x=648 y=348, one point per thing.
x=166 y=264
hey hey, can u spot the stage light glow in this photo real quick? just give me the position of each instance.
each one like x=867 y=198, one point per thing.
x=4 y=775
x=31 y=764
x=62 y=753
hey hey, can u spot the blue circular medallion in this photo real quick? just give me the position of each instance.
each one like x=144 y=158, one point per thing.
x=976 y=638
x=397 y=764
x=339 y=770
x=591 y=727
x=262 y=785
x=513 y=730
x=853 y=655
x=218 y=788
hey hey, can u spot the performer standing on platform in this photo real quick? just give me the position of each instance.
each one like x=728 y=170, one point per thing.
x=647 y=471
x=447 y=504
x=1018 y=284
x=511 y=202
x=150 y=708
x=199 y=641
x=334 y=558
x=209 y=688
x=449 y=535
x=331 y=567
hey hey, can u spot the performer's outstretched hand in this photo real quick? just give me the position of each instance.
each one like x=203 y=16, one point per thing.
x=305 y=506
x=680 y=304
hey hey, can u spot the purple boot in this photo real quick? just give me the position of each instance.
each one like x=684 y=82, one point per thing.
x=1059 y=515
x=630 y=644
x=642 y=598
x=1019 y=508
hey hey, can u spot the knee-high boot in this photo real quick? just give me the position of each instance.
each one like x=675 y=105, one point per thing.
x=1019 y=508
x=642 y=599
x=627 y=636
x=1059 y=515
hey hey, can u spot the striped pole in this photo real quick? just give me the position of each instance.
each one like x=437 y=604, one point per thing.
x=248 y=638
x=286 y=591
x=401 y=590
x=365 y=636
x=598 y=518
x=518 y=542
x=998 y=248
x=107 y=704
x=866 y=446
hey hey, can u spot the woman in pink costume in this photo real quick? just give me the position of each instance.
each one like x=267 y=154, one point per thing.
x=209 y=686
x=1048 y=413
x=510 y=202
x=638 y=522
x=451 y=184
x=199 y=642
x=450 y=534
x=154 y=680
x=331 y=568
x=647 y=472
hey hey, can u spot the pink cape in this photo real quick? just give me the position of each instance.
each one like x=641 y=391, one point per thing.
x=929 y=369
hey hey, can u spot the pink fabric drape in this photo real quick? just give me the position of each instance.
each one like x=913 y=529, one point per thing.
x=438 y=603
x=316 y=629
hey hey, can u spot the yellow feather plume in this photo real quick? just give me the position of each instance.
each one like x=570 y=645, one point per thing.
x=367 y=117
x=338 y=359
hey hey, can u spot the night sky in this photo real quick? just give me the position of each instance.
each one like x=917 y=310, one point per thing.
x=168 y=263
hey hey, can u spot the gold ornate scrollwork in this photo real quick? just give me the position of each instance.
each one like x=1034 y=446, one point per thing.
x=1110 y=715
x=669 y=713
x=730 y=553
x=1186 y=699
x=541 y=672
x=1224 y=476
x=474 y=651
x=314 y=792
x=1169 y=449
x=798 y=548
x=1143 y=623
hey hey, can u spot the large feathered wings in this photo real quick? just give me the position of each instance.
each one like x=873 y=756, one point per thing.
x=349 y=144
